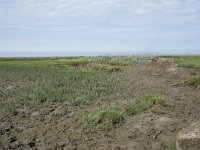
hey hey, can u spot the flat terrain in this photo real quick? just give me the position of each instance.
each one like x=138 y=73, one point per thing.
x=97 y=103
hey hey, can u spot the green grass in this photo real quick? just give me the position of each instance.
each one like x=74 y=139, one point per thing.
x=75 y=80
x=110 y=116
x=172 y=145
x=194 y=81
x=105 y=117
x=189 y=61
x=51 y=84
x=139 y=105
x=71 y=62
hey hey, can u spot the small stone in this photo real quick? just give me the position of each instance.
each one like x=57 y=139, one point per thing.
x=74 y=147
x=9 y=87
x=117 y=148
x=62 y=144
x=12 y=139
x=155 y=74
x=8 y=127
x=130 y=137
x=174 y=84
x=14 y=145
x=35 y=113
x=155 y=137
x=32 y=142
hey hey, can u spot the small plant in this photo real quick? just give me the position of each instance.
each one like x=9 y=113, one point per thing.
x=194 y=81
x=172 y=145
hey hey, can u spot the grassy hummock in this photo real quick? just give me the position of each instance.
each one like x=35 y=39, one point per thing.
x=110 y=116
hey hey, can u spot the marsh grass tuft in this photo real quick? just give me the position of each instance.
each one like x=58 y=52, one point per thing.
x=110 y=116
x=194 y=81
x=107 y=117
x=172 y=145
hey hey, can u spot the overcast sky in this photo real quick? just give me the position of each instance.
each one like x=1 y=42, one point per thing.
x=100 y=26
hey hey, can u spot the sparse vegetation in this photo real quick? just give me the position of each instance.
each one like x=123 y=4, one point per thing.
x=54 y=84
x=120 y=60
x=92 y=101
x=10 y=109
x=110 y=116
x=106 y=68
x=107 y=117
x=189 y=61
x=172 y=145
x=194 y=81
x=50 y=83
x=71 y=62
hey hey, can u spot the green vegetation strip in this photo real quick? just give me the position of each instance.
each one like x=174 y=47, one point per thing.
x=39 y=84
x=189 y=61
x=117 y=113
x=75 y=80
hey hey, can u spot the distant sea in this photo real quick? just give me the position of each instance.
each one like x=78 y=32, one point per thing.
x=95 y=53
x=46 y=54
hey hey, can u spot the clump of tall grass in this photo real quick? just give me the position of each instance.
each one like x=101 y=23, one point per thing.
x=194 y=81
x=110 y=116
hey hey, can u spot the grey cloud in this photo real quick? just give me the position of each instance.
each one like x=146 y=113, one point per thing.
x=113 y=13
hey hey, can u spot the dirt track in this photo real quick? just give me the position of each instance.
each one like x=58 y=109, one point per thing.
x=42 y=128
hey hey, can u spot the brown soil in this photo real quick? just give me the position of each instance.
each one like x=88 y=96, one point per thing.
x=56 y=126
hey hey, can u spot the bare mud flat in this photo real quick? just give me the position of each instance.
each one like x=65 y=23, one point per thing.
x=57 y=124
